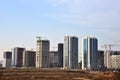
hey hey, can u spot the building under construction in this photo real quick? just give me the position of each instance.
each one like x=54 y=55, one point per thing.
x=42 y=53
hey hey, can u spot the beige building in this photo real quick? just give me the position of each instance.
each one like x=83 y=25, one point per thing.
x=110 y=58
x=107 y=58
x=115 y=61
x=42 y=53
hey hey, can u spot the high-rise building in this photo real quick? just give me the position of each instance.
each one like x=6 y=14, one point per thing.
x=29 y=58
x=53 y=59
x=70 y=54
x=89 y=53
x=42 y=53
x=17 y=57
x=100 y=60
x=7 y=59
x=60 y=55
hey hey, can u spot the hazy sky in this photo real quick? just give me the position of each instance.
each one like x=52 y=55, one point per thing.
x=22 y=20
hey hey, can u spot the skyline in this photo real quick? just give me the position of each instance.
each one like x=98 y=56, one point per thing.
x=22 y=20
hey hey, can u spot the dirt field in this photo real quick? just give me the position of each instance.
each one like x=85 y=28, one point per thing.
x=55 y=74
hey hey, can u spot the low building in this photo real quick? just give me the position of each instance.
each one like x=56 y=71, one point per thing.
x=29 y=58
x=80 y=65
x=53 y=59
x=115 y=61
x=108 y=58
x=7 y=59
x=0 y=65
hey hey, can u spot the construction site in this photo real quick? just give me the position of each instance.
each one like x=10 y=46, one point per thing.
x=56 y=74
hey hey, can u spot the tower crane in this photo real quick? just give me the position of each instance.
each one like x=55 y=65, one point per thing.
x=38 y=37
x=54 y=48
x=109 y=46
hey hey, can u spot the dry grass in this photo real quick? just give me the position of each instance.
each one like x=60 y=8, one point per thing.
x=54 y=74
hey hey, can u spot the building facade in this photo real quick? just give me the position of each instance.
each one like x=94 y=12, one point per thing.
x=100 y=60
x=89 y=53
x=115 y=61
x=70 y=55
x=108 y=58
x=60 y=55
x=53 y=59
x=17 y=57
x=1 y=64
x=29 y=58
x=7 y=59
x=42 y=53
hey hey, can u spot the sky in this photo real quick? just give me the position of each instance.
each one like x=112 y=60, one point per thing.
x=22 y=20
